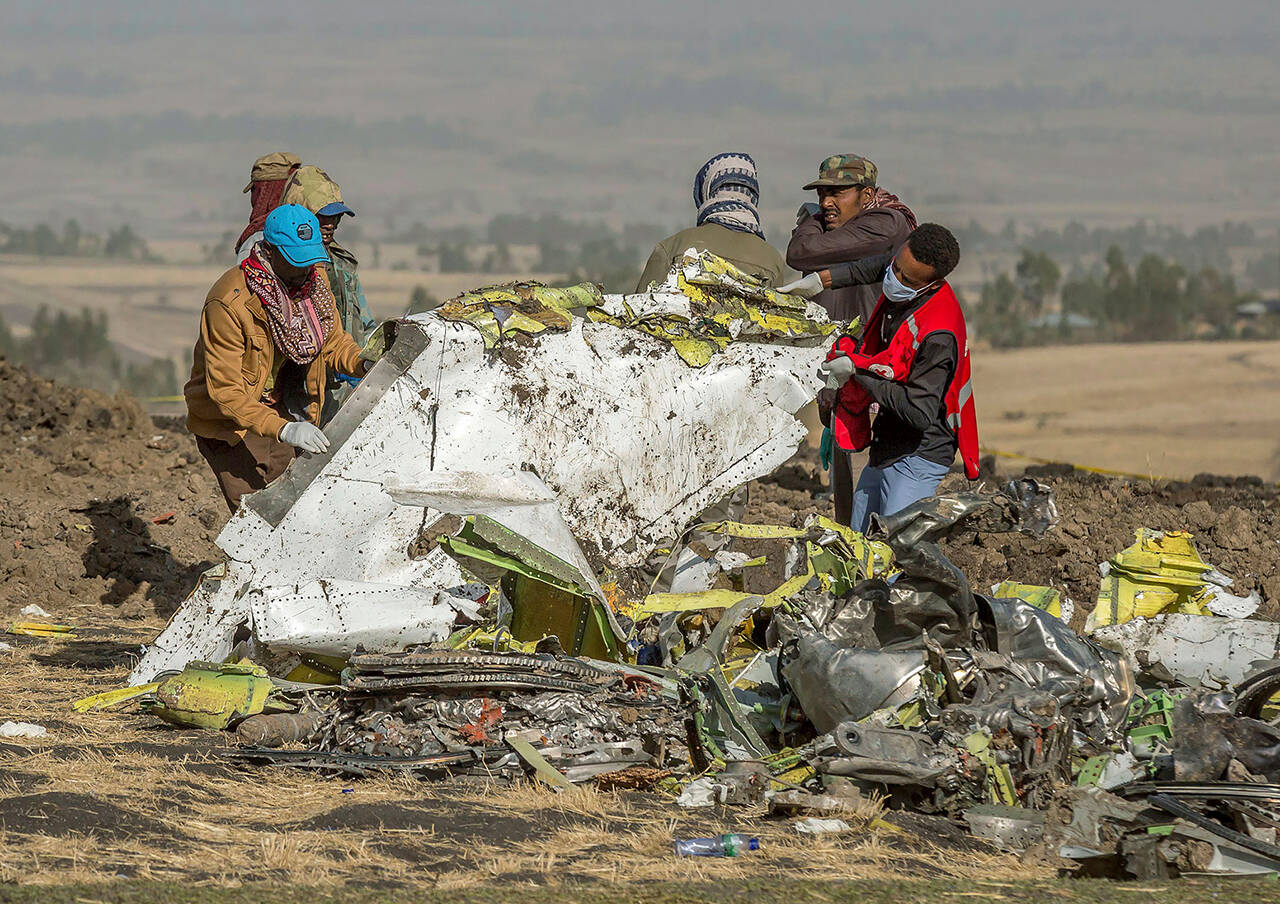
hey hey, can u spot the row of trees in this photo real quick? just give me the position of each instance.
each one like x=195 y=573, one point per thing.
x=74 y=348
x=1155 y=300
x=1074 y=245
x=120 y=243
x=606 y=259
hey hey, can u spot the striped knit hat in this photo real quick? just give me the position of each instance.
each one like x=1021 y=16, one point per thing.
x=727 y=191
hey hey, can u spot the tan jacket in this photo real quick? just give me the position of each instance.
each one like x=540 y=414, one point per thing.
x=235 y=354
x=745 y=250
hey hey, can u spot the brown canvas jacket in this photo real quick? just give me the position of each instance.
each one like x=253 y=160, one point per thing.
x=235 y=354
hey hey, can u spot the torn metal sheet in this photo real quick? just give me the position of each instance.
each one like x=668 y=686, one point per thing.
x=541 y=768
x=1008 y=828
x=1194 y=649
x=630 y=442
x=1163 y=573
x=335 y=617
x=834 y=684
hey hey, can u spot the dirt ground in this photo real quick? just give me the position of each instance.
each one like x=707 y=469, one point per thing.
x=107 y=518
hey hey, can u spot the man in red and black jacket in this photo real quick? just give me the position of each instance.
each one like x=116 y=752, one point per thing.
x=912 y=360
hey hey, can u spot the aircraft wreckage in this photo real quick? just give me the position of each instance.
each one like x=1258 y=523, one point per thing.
x=563 y=433
x=465 y=584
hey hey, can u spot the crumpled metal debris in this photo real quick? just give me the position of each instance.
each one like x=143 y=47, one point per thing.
x=595 y=445
x=1163 y=573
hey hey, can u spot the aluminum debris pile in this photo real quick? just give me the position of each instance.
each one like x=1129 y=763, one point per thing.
x=465 y=584
x=467 y=712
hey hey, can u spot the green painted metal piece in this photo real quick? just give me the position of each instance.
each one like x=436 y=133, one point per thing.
x=541 y=768
x=211 y=695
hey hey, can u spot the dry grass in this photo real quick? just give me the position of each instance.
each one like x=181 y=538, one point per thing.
x=124 y=797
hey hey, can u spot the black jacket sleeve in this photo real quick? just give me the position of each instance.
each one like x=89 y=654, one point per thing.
x=866 y=272
x=918 y=399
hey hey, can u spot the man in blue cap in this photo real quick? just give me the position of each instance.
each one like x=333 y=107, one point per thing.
x=312 y=187
x=268 y=331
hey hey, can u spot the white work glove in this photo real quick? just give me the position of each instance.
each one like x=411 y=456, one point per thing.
x=805 y=286
x=837 y=371
x=306 y=436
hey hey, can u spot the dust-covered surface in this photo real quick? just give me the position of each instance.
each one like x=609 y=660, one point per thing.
x=99 y=506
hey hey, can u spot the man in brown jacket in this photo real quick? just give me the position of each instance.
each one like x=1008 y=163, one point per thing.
x=853 y=219
x=268 y=329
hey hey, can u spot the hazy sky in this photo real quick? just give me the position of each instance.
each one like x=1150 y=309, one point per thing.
x=451 y=112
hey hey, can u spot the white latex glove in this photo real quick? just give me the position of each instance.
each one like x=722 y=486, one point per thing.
x=837 y=371
x=805 y=286
x=306 y=436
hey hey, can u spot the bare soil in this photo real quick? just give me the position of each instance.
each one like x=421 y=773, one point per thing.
x=99 y=505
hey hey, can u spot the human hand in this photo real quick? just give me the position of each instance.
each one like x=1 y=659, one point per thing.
x=808 y=209
x=805 y=286
x=305 y=436
x=837 y=371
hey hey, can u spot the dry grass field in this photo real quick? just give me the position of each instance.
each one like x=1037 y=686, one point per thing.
x=118 y=795
x=1162 y=409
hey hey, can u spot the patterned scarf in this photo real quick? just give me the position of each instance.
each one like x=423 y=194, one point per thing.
x=727 y=191
x=885 y=199
x=265 y=197
x=299 y=319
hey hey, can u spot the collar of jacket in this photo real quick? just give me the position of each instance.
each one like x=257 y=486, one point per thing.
x=338 y=252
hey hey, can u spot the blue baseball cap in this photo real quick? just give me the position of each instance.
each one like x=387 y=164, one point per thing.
x=295 y=232
x=336 y=209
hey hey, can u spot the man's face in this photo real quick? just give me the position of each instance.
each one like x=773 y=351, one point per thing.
x=288 y=274
x=912 y=273
x=838 y=206
x=328 y=226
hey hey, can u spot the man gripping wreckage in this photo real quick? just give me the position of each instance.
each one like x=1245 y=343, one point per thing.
x=912 y=360
x=268 y=331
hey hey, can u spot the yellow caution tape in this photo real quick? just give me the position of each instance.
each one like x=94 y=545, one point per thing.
x=1107 y=472
x=165 y=398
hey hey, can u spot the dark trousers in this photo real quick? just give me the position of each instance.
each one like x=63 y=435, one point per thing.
x=842 y=486
x=245 y=467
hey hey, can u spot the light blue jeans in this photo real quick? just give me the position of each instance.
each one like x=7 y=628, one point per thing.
x=886 y=491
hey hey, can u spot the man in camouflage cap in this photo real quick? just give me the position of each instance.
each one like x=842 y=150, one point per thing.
x=266 y=182
x=311 y=187
x=853 y=219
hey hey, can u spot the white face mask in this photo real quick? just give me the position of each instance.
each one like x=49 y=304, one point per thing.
x=895 y=291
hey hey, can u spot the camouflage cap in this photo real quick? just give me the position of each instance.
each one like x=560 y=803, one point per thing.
x=844 y=170
x=311 y=187
x=272 y=167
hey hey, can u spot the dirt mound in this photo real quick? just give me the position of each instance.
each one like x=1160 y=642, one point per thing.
x=98 y=504
x=1234 y=520
x=32 y=405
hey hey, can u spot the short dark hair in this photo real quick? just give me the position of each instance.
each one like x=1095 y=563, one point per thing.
x=935 y=245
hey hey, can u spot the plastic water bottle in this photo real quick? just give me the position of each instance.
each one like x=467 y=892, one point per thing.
x=720 y=846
